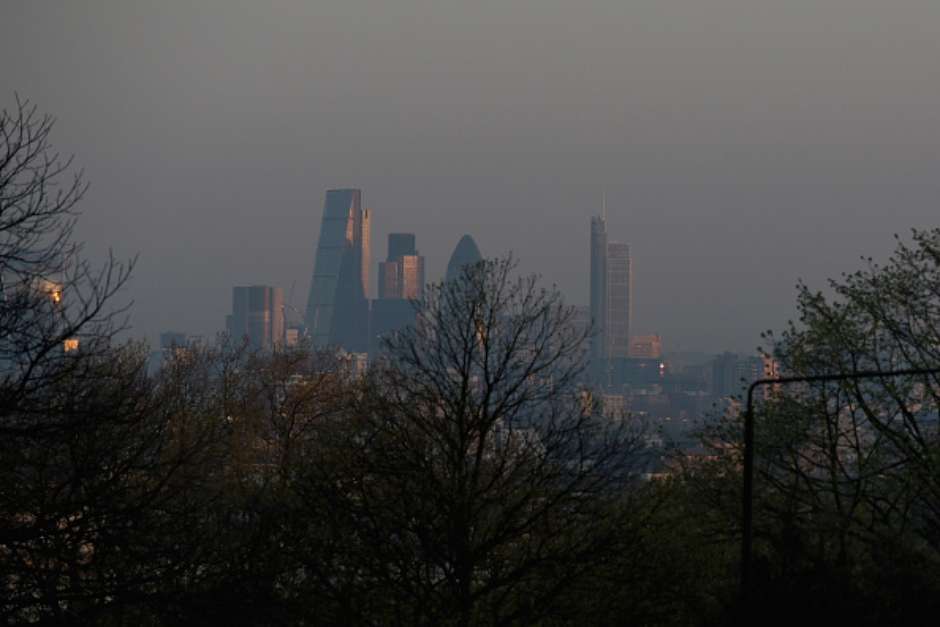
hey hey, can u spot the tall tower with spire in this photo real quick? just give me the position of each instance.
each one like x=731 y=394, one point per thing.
x=611 y=298
x=599 y=296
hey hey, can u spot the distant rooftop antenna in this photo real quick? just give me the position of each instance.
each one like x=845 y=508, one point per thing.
x=604 y=206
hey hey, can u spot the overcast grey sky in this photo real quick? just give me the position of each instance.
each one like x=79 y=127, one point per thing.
x=742 y=144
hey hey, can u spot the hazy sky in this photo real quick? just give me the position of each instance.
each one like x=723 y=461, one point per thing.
x=742 y=144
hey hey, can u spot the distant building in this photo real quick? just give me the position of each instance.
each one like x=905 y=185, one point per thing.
x=581 y=319
x=614 y=406
x=173 y=345
x=258 y=316
x=412 y=277
x=173 y=339
x=466 y=253
x=291 y=336
x=388 y=316
x=646 y=346
x=599 y=297
x=619 y=300
x=726 y=380
x=401 y=275
x=636 y=371
x=389 y=279
x=401 y=244
x=611 y=281
x=337 y=308
x=365 y=250
x=732 y=373
x=401 y=288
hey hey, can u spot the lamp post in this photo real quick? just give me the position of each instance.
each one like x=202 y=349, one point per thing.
x=747 y=522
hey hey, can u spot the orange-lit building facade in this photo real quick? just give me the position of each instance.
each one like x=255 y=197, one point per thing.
x=401 y=275
x=646 y=346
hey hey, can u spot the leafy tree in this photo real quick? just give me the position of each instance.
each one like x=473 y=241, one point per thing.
x=253 y=417
x=847 y=501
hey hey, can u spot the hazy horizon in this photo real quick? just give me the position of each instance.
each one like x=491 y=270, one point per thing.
x=741 y=145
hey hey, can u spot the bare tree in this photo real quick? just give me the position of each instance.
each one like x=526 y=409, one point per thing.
x=474 y=483
x=86 y=466
x=49 y=293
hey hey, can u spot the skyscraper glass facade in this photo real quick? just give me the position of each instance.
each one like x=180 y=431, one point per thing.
x=598 y=293
x=258 y=316
x=401 y=288
x=619 y=297
x=401 y=244
x=464 y=254
x=611 y=300
x=337 y=309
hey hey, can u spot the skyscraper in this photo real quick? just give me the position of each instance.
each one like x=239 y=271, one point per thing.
x=366 y=231
x=412 y=276
x=401 y=275
x=401 y=282
x=258 y=316
x=464 y=254
x=337 y=309
x=611 y=299
x=401 y=244
x=646 y=346
x=599 y=294
x=619 y=300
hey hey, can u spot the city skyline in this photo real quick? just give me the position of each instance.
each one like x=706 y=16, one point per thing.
x=516 y=312
x=741 y=147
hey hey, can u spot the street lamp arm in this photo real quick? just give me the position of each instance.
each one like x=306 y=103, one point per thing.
x=747 y=523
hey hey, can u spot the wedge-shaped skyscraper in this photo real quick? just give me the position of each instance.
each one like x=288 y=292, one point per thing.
x=337 y=309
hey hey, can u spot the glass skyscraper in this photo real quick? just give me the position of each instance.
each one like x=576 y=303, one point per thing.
x=611 y=300
x=401 y=275
x=258 y=316
x=401 y=288
x=337 y=309
x=598 y=293
x=465 y=253
x=619 y=297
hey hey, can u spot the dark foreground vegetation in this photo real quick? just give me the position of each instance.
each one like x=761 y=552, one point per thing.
x=465 y=479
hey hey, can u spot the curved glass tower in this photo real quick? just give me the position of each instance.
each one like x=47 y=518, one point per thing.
x=337 y=309
x=465 y=254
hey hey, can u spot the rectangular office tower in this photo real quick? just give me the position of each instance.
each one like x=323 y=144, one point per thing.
x=337 y=309
x=257 y=316
x=401 y=282
x=598 y=292
x=401 y=275
x=619 y=300
x=611 y=300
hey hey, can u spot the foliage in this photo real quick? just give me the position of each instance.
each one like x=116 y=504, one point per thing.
x=846 y=472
